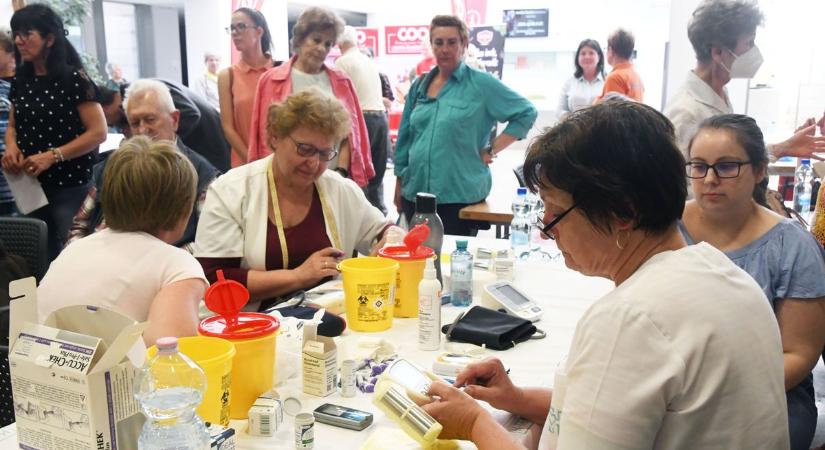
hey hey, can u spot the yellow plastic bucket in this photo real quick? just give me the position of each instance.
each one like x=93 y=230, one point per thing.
x=214 y=355
x=369 y=291
x=410 y=273
x=253 y=367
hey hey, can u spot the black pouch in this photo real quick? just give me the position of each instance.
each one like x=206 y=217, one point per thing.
x=495 y=330
x=332 y=325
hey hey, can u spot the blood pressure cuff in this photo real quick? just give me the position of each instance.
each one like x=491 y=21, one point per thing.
x=493 y=329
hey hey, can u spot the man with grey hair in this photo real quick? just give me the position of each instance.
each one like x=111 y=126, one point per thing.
x=150 y=112
x=364 y=74
x=723 y=34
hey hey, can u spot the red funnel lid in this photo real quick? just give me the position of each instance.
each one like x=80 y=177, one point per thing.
x=226 y=297
x=416 y=236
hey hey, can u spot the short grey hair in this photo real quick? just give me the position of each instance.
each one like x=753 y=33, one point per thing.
x=721 y=23
x=143 y=86
x=350 y=35
x=315 y=19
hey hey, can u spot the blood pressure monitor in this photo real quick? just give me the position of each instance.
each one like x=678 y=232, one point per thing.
x=514 y=301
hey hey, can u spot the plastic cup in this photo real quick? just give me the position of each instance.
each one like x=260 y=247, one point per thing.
x=214 y=356
x=369 y=292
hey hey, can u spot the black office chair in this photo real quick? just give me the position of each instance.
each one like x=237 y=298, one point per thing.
x=6 y=400
x=26 y=237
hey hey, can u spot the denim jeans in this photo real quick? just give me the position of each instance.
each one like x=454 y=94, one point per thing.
x=58 y=214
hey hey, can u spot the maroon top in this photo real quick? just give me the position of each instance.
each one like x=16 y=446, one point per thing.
x=301 y=243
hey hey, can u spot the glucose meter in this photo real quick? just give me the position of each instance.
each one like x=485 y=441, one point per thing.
x=514 y=301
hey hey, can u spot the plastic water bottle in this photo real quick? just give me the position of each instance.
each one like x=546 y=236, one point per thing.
x=802 y=189
x=461 y=275
x=520 y=226
x=425 y=207
x=169 y=388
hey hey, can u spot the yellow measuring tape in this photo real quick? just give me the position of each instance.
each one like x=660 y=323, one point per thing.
x=329 y=219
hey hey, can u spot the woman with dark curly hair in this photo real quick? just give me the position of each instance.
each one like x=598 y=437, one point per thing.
x=56 y=122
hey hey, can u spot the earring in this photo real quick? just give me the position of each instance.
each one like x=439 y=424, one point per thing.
x=619 y=244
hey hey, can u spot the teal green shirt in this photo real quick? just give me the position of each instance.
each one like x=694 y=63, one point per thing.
x=440 y=138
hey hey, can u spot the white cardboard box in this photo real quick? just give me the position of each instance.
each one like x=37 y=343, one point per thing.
x=320 y=365
x=71 y=378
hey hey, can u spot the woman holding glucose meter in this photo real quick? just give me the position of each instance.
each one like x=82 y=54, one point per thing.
x=659 y=361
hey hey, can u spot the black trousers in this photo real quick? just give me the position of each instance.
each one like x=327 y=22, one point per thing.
x=378 y=129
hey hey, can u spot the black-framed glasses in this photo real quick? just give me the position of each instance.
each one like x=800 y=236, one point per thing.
x=308 y=151
x=23 y=34
x=722 y=169
x=239 y=27
x=545 y=229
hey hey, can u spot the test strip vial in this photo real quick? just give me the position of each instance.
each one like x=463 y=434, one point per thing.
x=304 y=431
x=348 y=378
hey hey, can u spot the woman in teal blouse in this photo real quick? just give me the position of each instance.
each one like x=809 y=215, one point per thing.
x=444 y=139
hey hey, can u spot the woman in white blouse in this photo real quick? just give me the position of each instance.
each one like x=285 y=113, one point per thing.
x=586 y=83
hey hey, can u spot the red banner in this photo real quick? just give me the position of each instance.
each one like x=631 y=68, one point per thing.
x=474 y=12
x=368 y=38
x=406 y=39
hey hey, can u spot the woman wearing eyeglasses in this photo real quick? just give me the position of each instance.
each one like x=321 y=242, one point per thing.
x=683 y=354
x=315 y=33
x=236 y=84
x=282 y=223
x=727 y=166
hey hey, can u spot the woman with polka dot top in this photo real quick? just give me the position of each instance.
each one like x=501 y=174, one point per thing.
x=56 y=121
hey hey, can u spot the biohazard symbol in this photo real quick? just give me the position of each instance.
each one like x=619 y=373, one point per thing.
x=362 y=300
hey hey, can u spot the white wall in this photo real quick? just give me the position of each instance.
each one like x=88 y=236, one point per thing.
x=166 y=26
x=121 y=38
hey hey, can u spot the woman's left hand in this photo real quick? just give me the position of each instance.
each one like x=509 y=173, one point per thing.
x=380 y=244
x=486 y=156
x=39 y=163
x=456 y=411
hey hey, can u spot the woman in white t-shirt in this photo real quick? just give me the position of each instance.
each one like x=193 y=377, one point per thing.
x=581 y=90
x=131 y=267
x=667 y=360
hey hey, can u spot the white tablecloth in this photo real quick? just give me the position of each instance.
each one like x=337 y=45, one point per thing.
x=563 y=294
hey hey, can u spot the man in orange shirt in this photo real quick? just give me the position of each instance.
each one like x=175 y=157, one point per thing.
x=623 y=79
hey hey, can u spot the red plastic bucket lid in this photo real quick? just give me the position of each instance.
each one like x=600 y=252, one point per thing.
x=402 y=253
x=246 y=325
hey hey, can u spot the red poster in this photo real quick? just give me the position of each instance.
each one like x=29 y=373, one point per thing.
x=368 y=38
x=254 y=4
x=474 y=12
x=406 y=39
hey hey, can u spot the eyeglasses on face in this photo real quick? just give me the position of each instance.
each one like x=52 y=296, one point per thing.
x=545 y=229
x=722 y=169
x=308 y=151
x=24 y=34
x=239 y=27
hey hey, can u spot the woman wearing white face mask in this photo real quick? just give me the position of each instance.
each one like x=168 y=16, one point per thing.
x=722 y=33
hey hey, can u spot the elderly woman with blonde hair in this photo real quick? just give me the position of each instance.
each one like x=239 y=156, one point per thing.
x=131 y=266
x=313 y=36
x=282 y=223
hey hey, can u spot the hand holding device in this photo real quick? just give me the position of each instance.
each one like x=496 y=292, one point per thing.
x=488 y=381
x=414 y=379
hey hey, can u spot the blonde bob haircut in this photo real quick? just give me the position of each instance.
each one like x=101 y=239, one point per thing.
x=312 y=109
x=148 y=186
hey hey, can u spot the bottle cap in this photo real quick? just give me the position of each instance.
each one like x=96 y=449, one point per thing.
x=461 y=244
x=522 y=191
x=425 y=203
x=167 y=343
x=806 y=161
x=429 y=269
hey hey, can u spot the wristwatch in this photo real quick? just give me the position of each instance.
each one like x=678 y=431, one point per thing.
x=488 y=149
x=344 y=172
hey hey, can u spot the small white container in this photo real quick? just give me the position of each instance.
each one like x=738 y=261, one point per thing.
x=429 y=309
